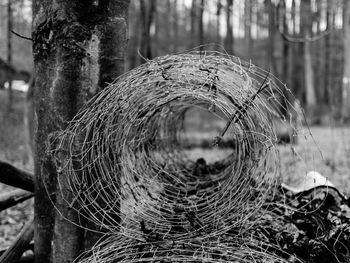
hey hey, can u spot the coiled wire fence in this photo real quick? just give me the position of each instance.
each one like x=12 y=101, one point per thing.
x=123 y=159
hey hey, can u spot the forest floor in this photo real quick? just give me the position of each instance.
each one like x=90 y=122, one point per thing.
x=326 y=150
x=14 y=149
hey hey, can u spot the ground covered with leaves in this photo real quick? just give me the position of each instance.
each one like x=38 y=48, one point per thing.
x=313 y=225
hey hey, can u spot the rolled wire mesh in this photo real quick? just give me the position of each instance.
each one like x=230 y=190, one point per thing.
x=123 y=158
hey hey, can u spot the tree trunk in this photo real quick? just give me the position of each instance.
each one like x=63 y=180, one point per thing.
x=327 y=58
x=78 y=48
x=248 y=6
x=288 y=98
x=135 y=33
x=218 y=24
x=200 y=26
x=193 y=23
x=9 y=52
x=346 y=73
x=147 y=11
x=175 y=27
x=229 y=30
x=319 y=50
x=306 y=22
x=272 y=32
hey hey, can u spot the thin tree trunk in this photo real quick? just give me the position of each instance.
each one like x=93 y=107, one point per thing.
x=272 y=30
x=151 y=15
x=248 y=25
x=78 y=48
x=175 y=27
x=285 y=42
x=135 y=32
x=319 y=48
x=346 y=73
x=193 y=23
x=9 y=52
x=147 y=11
x=200 y=25
x=294 y=57
x=218 y=24
x=327 y=57
x=229 y=30
x=288 y=98
x=310 y=94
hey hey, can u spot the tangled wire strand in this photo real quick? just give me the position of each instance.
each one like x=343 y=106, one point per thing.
x=123 y=158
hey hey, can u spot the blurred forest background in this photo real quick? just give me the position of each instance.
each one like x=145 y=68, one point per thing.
x=303 y=43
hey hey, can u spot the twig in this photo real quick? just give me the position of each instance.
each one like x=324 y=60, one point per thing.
x=241 y=110
x=20 y=36
x=14 y=197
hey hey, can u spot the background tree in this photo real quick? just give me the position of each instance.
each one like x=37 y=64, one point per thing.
x=229 y=30
x=248 y=6
x=346 y=74
x=200 y=24
x=147 y=12
x=306 y=22
x=271 y=9
x=218 y=22
x=327 y=54
x=78 y=48
x=9 y=50
x=194 y=28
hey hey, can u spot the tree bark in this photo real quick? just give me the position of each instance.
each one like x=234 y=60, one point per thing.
x=78 y=48
x=229 y=31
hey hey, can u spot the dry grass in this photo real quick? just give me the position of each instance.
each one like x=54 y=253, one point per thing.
x=326 y=150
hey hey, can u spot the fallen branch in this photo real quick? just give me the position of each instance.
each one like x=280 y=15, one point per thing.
x=13 y=176
x=14 y=197
x=15 y=252
x=30 y=247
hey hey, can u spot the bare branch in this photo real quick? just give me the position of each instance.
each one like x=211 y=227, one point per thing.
x=13 y=176
x=14 y=197
x=26 y=38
